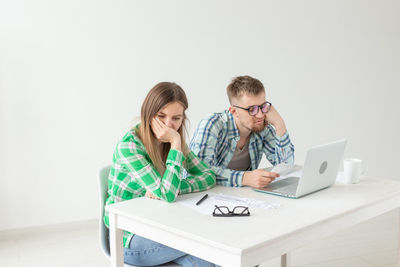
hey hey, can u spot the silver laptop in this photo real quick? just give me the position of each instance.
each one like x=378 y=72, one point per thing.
x=320 y=170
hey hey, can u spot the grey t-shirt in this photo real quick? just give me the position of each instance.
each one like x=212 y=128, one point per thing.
x=241 y=159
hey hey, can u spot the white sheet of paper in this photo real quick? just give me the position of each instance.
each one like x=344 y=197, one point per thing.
x=283 y=168
x=286 y=170
x=207 y=206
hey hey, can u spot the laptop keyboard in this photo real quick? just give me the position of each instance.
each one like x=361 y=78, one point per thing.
x=287 y=185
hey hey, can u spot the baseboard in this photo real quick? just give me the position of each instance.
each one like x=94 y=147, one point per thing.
x=6 y=234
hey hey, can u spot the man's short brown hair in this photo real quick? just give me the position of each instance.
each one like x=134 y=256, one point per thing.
x=244 y=85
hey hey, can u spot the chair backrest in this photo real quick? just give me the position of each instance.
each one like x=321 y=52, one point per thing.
x=103 y=230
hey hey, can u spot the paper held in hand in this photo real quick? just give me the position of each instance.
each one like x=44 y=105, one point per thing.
x=285 y=170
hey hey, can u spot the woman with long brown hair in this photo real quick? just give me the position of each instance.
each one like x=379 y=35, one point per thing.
x=149 y=161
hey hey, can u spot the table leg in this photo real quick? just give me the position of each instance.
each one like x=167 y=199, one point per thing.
x=398 y=240
x=116 y=246
x=286 y=260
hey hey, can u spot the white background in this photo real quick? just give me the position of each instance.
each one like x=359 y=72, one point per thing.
x=73 y=75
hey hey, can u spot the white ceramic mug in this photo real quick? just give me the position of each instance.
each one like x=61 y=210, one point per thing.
x=352 y=170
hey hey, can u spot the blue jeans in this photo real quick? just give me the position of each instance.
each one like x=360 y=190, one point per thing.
x=144 y=252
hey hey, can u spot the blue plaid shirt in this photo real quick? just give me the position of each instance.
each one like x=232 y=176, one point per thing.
x=215 y=140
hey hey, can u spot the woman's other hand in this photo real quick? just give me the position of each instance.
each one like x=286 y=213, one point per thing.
x=150 y=195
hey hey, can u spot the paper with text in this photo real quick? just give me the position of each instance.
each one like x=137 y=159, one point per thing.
x=208 y=205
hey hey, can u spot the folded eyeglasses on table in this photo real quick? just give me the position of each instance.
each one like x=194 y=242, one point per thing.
x=224 y=211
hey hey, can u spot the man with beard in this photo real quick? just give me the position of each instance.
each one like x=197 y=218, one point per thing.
x=232 y=142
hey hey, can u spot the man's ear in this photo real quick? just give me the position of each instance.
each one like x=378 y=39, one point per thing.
x=232 y=110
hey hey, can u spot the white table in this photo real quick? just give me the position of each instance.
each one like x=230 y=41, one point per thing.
x=266 y=234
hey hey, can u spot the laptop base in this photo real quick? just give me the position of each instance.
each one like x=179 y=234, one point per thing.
x=286 y=187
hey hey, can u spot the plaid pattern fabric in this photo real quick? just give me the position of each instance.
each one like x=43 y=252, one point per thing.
x=132 y=174
x=215 y=140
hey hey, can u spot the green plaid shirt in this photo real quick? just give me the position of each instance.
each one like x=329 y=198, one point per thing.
x=133 y=173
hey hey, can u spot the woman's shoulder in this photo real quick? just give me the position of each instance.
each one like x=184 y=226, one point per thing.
x=131 y=139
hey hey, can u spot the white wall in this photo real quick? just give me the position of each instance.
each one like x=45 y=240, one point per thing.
x=73 y=75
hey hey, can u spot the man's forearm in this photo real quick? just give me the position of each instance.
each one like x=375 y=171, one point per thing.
x=280 y=128
x=228 y=177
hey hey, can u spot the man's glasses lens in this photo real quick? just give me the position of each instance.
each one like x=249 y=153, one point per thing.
x=265 y=108
x=253 y=110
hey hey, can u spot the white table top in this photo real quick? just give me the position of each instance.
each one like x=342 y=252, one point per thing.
x=240 y=234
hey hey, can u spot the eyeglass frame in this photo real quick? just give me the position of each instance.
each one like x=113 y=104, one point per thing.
x=259 y=107
x=231 y=213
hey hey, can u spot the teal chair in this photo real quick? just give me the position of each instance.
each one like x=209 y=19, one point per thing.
x=103 y=230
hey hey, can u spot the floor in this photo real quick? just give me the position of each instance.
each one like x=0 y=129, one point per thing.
x=373 y=243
